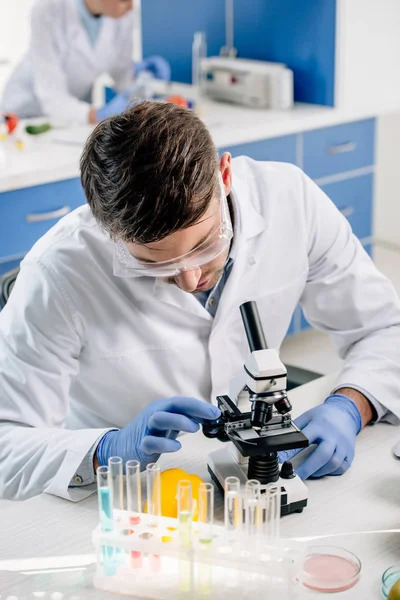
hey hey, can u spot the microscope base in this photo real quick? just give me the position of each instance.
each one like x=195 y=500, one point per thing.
x=221 y=465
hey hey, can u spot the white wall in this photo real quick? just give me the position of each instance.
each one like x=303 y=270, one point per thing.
x=14 y=33
x=387 y=181
x=368 y=54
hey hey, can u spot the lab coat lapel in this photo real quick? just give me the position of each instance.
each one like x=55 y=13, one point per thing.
x=171 y=294
x=99 y=55
x=79 y=39
x=105 y=42
x=240 y=284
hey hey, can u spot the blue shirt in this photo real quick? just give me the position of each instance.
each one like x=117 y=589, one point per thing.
x=210 y=299
x=91 y=23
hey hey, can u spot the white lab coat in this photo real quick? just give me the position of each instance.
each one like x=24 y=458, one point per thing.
x=82 y=350
x=56 y=75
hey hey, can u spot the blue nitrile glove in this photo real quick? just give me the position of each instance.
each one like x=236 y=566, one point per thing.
x=116 y=106
x=333 y=426
x=157 y=65
x=155 y=429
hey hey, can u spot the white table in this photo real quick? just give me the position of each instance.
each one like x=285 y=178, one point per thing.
x=54 y=156
x=45 y=542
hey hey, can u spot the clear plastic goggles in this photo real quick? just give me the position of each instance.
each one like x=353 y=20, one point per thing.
x=127 y=265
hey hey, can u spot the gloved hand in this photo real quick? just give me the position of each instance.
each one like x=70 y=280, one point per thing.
x=157 y=65
x=154 y=430
x=117 y=105
x=333 y=426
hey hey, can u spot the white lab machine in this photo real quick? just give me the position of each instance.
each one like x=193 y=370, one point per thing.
x=252 y=83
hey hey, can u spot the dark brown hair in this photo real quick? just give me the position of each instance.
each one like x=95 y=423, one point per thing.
x=149 y=172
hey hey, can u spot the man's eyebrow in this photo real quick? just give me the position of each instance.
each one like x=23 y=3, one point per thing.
x=201 y=241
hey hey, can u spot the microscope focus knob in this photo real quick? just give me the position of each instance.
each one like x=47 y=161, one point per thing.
x=283 y=406
x=287 y=471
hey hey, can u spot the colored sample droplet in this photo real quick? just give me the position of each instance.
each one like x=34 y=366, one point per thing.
x=134 y=520
x=155 y=563
x=136 y=560
x=172 y=529
x=205 y=541
x=146 y=535
x=166 y=538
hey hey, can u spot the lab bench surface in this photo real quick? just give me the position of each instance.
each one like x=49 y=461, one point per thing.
x=54 y=156
x=47 y=541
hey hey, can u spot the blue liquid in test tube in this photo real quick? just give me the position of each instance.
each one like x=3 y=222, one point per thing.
x=106 y=518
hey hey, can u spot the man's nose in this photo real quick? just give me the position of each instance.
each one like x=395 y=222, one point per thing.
x=188 y=280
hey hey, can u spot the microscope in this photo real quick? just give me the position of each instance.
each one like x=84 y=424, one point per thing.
x=256 y=436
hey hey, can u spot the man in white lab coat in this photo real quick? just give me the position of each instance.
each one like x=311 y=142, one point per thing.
x=72 y=43
x=124 y=323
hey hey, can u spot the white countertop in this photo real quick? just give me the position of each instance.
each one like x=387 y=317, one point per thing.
x=45 y=161
x=46 y=542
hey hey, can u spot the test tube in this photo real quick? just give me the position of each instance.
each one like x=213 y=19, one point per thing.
x=206 y=512
x=153 y=494
x=106 y=517
x=272 y=511
x=185 y=511
x=115 y=472
x=233 y=508
x=133 y=491
x=205 y=519
x=185 y=507
x=252 y=507
x=134 y=504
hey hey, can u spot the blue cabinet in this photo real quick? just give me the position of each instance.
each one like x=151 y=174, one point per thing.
x=282 y=149
x=26 y=214
x=353 y=197
x=8 y=265
x=338 y=149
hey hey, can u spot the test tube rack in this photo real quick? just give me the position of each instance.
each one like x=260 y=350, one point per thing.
x=146 y=555
x=148 y=561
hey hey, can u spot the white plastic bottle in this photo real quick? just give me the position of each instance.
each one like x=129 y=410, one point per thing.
x=199 y=52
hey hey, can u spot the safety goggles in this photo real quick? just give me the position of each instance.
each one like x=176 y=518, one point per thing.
x=127 y=265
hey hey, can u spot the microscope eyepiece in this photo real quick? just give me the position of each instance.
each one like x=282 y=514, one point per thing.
x=261 y=413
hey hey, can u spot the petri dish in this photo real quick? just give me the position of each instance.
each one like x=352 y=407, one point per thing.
x=330 y=569
x=389 y=578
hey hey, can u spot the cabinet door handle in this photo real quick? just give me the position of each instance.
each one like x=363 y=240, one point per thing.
x=342 y=148
x=347 y=211
x=49 y=216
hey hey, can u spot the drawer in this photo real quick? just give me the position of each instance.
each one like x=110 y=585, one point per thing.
x=26 y=214
x=338 y=149
x=8 y=265
x=353 y=197
x=280 y=149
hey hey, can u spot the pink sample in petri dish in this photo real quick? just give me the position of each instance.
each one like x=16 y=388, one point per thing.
x=330 y=569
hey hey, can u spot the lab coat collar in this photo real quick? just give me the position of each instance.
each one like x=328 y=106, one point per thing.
x=96 y=55
x=249 y=224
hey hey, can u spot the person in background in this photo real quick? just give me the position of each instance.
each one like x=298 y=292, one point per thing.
x=72 y=43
